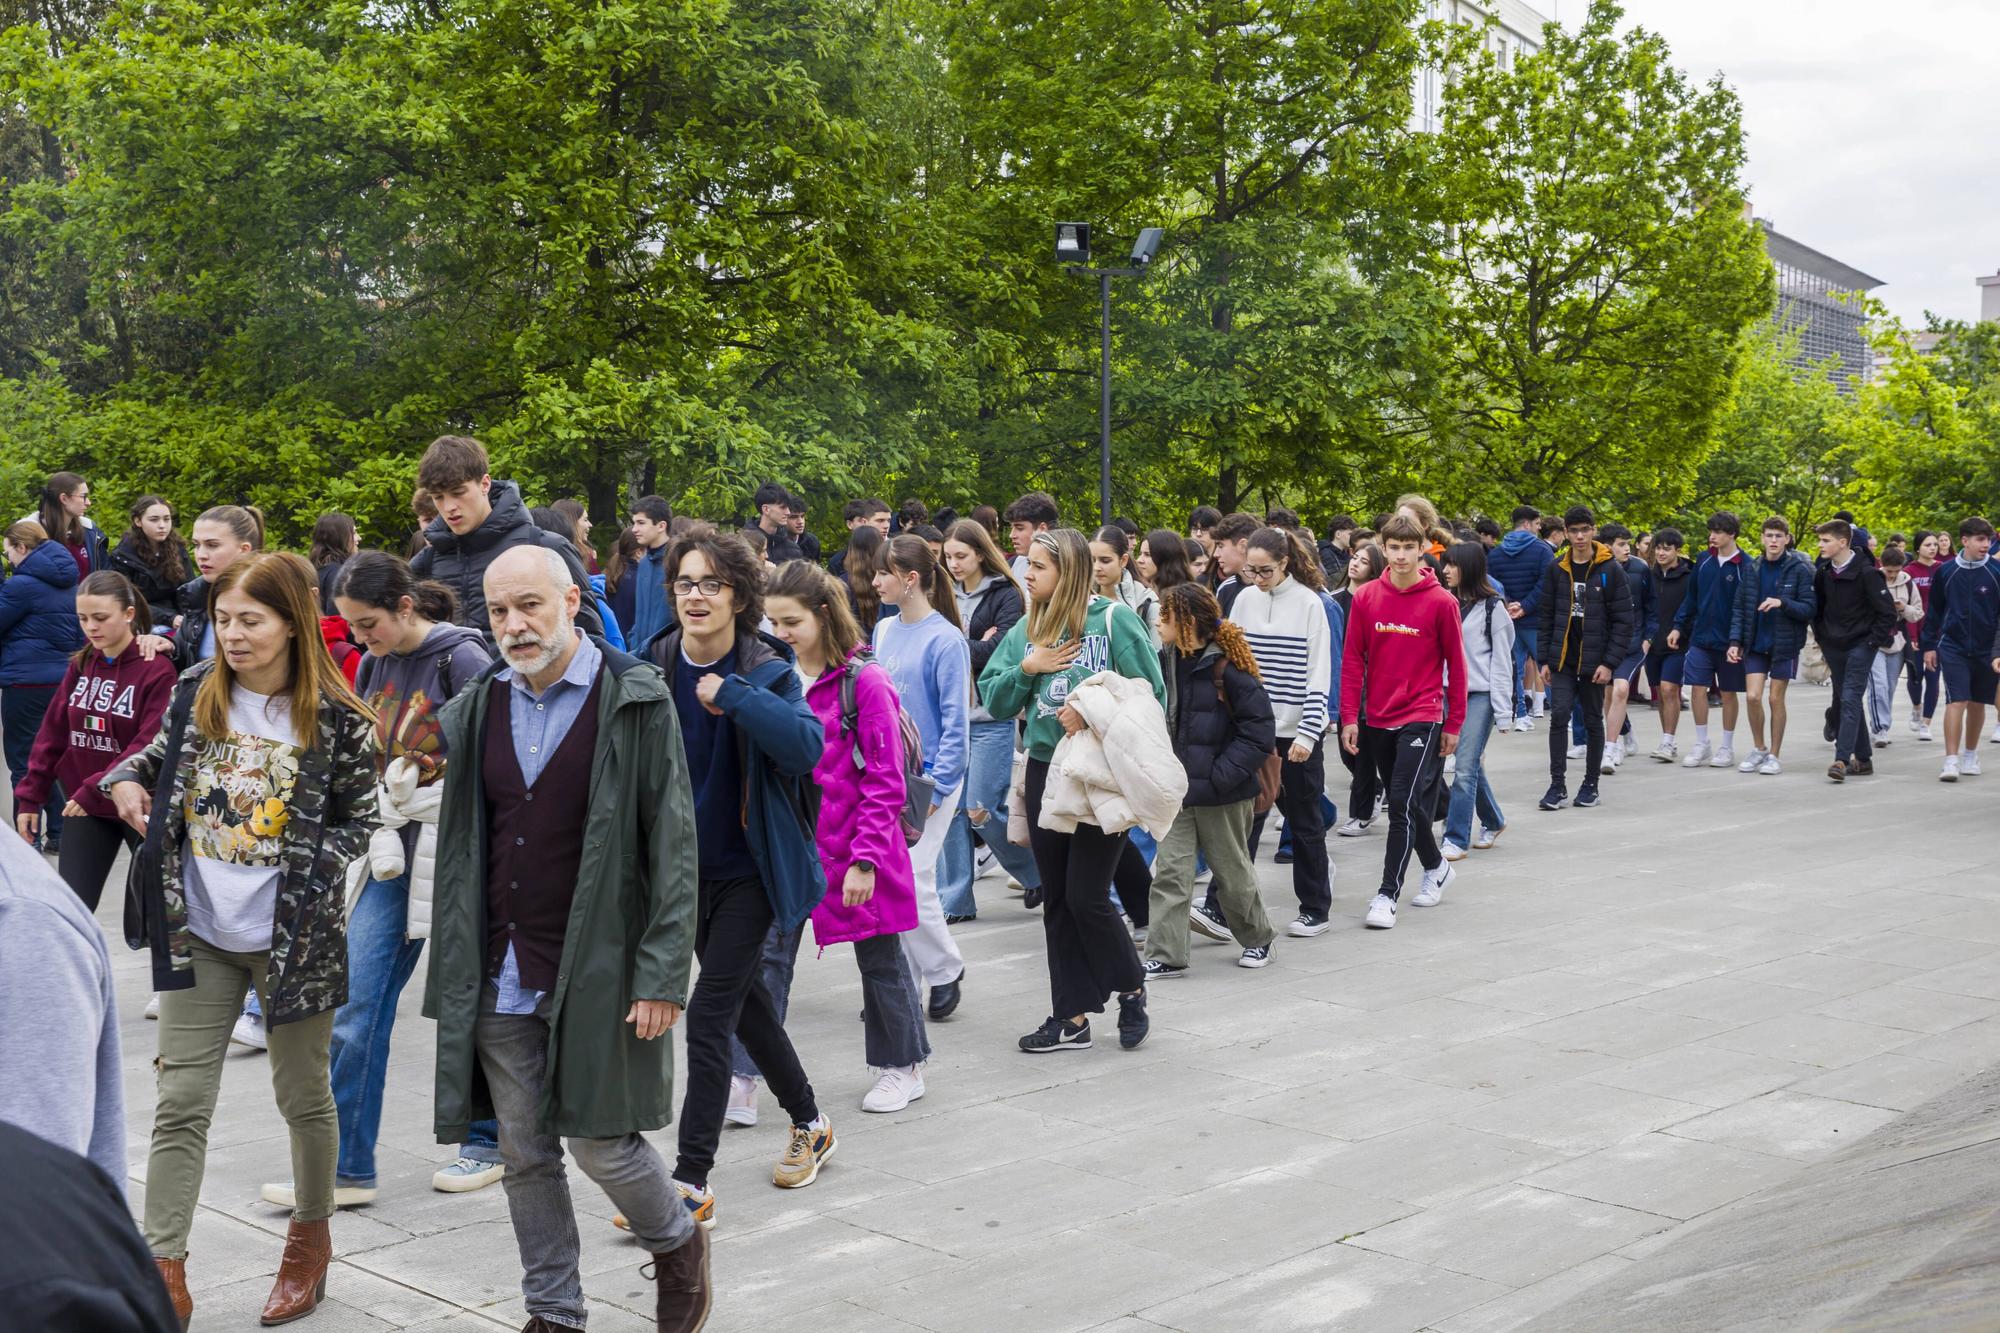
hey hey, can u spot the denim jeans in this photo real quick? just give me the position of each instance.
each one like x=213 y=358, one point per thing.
x=513 y=1052
x=1524 y=648
x=989 y=772
x=379 y=964
x=1470 y=788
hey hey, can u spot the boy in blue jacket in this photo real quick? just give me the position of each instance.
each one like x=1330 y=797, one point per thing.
x=1767 y=632
x=1701 y=629
x=1959 y=643
x=1517 y=563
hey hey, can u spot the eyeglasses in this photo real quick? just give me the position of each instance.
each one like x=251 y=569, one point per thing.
x=708 y=587
x=1260 y=571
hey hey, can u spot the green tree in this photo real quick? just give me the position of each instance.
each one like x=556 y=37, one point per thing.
x=1600 y=266
x=1927 y=436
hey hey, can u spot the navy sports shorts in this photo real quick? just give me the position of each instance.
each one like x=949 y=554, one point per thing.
x=1707 y=668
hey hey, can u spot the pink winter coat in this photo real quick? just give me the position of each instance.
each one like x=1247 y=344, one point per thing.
x=860 y=812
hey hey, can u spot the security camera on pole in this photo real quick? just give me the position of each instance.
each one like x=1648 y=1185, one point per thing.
x=1073 y=252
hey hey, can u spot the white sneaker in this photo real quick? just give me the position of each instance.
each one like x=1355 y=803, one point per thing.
x=1916 y=722
x=1880 y=738
x=1450 y=767
x=1924 y=732
x=153 y=1007
x=1524 y=723
x=1968 y=763
x=1950 y=773
x=1431 y=891
x=1452 y=851
x=1723 y=758
x=1578 y=751
x=1770 y=768
x=742 y=1108
x=1536 y=709
x=1754 y=762
x=1995 y=737
x=1697 y=757
x=1614 y=755
x=983 y=860
x=1486 y=837
x=1631 y=745
x=1353 y=828
x=249 y=1031
x=896 y=1089
x=1667 y=750
x=1382 y=912
x=344 y=1196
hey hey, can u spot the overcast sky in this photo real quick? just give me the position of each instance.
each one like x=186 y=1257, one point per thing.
x=1874 y=128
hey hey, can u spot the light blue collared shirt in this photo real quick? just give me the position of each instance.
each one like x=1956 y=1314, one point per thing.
x=539 y=722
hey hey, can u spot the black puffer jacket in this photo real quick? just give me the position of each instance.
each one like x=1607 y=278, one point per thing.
x=999 y=607
x=190 y=603
x=160 y=594
x=1221 y=745
x=460 y=562
x=1606 y=625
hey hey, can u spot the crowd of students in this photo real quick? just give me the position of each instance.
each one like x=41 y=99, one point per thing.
x=692 y=752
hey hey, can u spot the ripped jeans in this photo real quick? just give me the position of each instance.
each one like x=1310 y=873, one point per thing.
x=989 y=771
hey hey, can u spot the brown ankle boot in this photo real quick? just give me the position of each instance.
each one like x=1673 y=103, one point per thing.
x=301 y=1283
x=173 y=1272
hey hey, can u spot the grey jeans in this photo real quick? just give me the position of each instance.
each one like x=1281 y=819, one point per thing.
x=514 y=1051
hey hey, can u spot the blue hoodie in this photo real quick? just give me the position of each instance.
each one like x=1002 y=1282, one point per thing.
x=38 y=629
x=1964 y=609
x=1703 y=619
x=652 y=610
x=1517 y=565
x=932 y=668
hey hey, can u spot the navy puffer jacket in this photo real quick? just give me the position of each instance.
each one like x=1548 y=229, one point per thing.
x=38 y=629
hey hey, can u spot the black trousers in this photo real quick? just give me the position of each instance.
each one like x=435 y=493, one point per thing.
x=1567 y=693
x=1361 y=788
x=1300 y=788
x=1408 y=764
x=1134 y=881
x=731 y=999
x=1850 y=668
x=89 y=846
x=1089 y=950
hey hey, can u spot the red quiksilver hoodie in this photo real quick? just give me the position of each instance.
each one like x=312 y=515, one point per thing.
x=102 y=712
x=1405 y=648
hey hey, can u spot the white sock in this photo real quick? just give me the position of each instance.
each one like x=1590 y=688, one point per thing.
x=1701 y=733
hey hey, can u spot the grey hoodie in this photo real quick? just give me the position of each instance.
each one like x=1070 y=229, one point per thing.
x=407 y=690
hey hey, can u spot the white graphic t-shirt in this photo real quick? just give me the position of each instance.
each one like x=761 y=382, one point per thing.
x=237 y=809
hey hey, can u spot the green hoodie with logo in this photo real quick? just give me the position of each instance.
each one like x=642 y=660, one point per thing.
x=1114 y=639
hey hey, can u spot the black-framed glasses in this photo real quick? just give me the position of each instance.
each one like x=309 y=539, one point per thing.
x=1260 y=571
x=708 y=587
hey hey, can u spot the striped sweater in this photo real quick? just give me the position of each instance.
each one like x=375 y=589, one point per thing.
x=1288 y=633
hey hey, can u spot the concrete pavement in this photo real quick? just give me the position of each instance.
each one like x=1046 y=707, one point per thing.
x=1620 y=1021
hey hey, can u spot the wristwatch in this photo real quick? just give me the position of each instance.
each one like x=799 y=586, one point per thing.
x=868 y=866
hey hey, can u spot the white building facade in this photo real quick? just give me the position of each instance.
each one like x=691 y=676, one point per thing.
x=1517 y=32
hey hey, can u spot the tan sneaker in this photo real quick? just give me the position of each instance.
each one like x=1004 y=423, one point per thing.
x=803 y=1155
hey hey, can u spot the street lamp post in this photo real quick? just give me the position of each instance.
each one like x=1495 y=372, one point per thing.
x=1073 y=252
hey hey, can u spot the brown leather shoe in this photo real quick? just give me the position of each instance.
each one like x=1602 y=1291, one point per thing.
x=684 y=1296
x=173 y=1272
x=301 y=1283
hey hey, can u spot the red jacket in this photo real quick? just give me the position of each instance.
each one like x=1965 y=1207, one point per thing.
x=334 y=632
x=101 y=714
x=1405 y=650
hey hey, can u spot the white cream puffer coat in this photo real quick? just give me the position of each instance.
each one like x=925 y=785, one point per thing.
x=1120 y=770
x=402 y=801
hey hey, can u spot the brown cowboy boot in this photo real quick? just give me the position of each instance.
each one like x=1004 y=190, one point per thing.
x=684 y=1296
x=301 y=1283
x=173 y=1272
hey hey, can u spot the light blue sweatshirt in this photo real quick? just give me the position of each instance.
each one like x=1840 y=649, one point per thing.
x=932 y=668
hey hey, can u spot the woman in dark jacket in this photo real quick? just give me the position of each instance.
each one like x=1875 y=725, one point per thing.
x=1223 y=731
x=38 y=635
x=989 y=602
x=153 y=557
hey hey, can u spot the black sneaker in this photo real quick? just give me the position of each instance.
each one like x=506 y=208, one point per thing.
x=1132 y=1022
x=1256 y=957
x=1031 y=899
x=1556 y=797
x=951 y=920
x=1057 y=1034
x=944 y=999
x=1159 y=971
x=1586 y=796
x=1283 y=856
x=1307 y=925
x=1206 y=924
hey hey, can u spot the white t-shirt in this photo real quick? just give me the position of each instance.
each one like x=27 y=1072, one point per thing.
x=238 y=807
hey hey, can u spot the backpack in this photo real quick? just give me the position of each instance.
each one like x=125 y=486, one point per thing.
x=918 y=786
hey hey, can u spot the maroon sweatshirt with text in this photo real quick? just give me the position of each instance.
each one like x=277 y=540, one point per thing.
x=102 y=712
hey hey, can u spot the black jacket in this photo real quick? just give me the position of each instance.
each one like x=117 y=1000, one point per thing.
x=1670 y=589
x=160 y=594
x=190 y=603
x=71 y=1261
x=1221 y=745
x=1607 y=621
x=460 y=562
x=998 y=609
x=1854 y=606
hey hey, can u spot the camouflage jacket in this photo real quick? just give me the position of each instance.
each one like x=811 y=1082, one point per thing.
x=333 y=810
